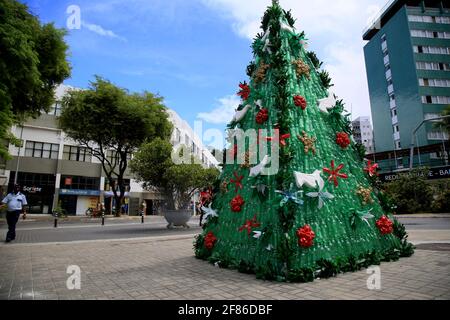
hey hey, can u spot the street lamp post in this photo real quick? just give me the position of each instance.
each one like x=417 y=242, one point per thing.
x=411 y=160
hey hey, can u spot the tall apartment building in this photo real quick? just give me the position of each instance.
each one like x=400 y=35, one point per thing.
x=408 y=71
x=53 y=169
x=363 y=133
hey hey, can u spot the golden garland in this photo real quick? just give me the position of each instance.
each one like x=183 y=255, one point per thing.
x=365 y=195
x=308 y=142
x=301 y=68
x=260 y=74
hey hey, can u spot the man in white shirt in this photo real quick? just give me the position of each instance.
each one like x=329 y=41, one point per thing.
x=15 y=202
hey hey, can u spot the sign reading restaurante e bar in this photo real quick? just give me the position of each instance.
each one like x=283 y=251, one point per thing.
x=433 y=174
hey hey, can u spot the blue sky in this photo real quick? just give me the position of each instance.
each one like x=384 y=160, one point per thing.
x=194 y=53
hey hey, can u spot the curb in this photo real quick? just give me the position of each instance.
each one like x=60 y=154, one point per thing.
x=140 y=239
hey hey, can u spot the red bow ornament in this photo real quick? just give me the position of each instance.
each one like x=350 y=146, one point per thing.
x=262 y=116
x=343 y=140
x=300 y=101
x=385 y=225
x=210 y=240
x=305 y=237
x=237 y=203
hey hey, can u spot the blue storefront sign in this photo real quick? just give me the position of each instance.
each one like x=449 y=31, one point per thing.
x=75 y=192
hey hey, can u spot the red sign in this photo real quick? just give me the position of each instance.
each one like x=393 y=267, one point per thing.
x=68 y=181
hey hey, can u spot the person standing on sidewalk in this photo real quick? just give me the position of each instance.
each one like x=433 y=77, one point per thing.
x=15 y=202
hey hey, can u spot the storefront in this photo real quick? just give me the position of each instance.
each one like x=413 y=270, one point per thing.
x=77 y=202
x=78 y=194
x=38 y=188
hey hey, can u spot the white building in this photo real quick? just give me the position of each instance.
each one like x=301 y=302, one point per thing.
x=53 y=169
x=363 y=133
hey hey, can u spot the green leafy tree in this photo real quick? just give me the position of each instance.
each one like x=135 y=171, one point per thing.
x=411 y=192
x=153 y=166
x=33 y=61
x=112 y=124
x=318 y=214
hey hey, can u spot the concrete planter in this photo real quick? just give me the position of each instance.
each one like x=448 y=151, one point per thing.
x=177 y=218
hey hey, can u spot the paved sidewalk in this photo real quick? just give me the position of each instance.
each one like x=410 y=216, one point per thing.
x=165 y=268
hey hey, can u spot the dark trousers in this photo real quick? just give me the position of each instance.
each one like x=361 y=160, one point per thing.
x=12 y=217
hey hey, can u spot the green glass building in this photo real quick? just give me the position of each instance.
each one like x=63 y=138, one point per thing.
x=408 y=70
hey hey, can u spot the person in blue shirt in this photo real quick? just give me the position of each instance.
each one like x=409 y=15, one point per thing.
x=15 y=202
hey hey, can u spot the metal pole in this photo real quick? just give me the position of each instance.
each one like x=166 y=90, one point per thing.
x=56 y=220
x=414 y=134
x=18 y=155
x=103 y=219
x=142 y=216
x=418 y=150
x=444 y=154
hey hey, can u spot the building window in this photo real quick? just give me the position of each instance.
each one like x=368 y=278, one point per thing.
x=436 y=66
x=440 y=83
x=41 y=150
x=430 y=34
x=436 y=99
x=80 y=183
x=429 y=19
x=437 y=135
x=396 y=129
x=76 y=153
x=55 y=110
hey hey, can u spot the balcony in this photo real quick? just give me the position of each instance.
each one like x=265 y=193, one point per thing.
x=388 y=74
x=392 y=104
x=394 y=120
x=390 y=88
x=396 y=136
x=386 y=60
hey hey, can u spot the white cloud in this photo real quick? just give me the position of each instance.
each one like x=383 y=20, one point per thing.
x=224 y=111
x=335 y=32
x=100 y=30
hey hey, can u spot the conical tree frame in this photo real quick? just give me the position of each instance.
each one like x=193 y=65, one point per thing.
x=271 y=226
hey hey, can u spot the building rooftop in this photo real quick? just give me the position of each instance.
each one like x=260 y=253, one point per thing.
x=393 y=6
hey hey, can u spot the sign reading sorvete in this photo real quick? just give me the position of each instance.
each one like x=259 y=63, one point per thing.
x=433 y=174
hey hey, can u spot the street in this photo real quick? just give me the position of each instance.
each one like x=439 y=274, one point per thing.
x=128 y=260
x=42 y=231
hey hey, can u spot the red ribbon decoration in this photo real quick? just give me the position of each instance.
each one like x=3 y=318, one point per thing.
x=371 y=169
x=210 y=240
x=237 y=203
x=249 y=225
x=237 y=181
x=282 y=139
x=300 y=101
x=244 y=93
x=334 y=173
x=305 y=237
x=343 y=140
x=262 y=116
x=385 y=225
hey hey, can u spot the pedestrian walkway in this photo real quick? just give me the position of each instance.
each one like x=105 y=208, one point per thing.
x=165 y=268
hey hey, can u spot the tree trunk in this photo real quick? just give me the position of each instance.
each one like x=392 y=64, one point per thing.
x=170 y=201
